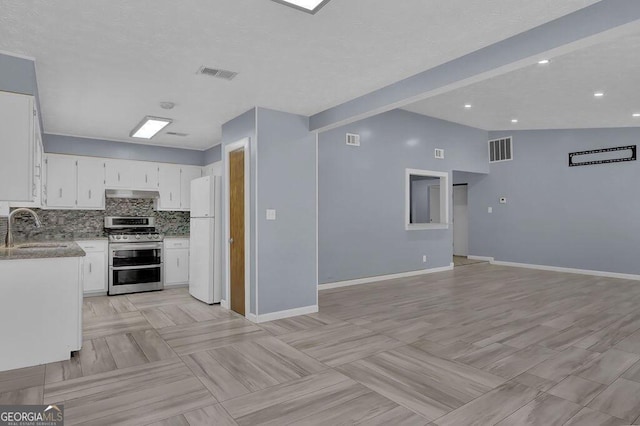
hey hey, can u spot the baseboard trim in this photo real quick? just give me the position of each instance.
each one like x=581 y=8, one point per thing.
x=176 y=285
x=224 y=304
x=568 y=270
x=286 y=314
x=252 y=317
x=379 y=278
x=483 y=258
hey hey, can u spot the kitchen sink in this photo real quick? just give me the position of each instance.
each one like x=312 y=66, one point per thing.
x=41 y=246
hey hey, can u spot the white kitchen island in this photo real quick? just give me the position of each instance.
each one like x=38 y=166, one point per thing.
x=40 y=304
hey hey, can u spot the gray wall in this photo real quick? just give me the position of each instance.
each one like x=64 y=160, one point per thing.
x=17 y=75
x=243 y=126
x=579 y=217
x=56 y=144
x=362 y=193
x=212 y=155
x=287 y=275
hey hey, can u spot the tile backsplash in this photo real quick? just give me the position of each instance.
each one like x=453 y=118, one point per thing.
x=71 y=224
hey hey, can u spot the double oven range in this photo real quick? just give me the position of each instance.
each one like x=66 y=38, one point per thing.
x=136 y=260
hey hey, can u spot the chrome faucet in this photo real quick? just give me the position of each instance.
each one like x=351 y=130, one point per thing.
x=9 y=240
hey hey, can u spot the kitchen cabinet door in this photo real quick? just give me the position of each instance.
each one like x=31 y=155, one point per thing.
x=91 y=183
x=17 y=145
x=95 y=273
x=176 y=266
x=169 y=187
x=119 y=174
x=61 y=181
x=187 y=174
x=145 y=175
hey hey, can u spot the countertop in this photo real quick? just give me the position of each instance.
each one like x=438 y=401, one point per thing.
x=70 y=249
x=176 y=236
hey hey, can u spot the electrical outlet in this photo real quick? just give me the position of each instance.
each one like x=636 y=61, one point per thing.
x=271 y=214
x=424 y=259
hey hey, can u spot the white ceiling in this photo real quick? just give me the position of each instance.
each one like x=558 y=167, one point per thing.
x=104 y=64
x=554 y=96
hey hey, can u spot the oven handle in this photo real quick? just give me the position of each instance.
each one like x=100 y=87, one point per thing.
x=128 y=268
x=133 y=246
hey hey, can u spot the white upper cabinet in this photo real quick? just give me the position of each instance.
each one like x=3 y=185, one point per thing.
x=187 y=174
x=169 y=187
x=61 y=184
x=145 y=175
x=119 y=174
x=17 y=115
x=91 y=177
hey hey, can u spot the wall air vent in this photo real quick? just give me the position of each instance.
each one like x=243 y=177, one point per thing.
x=218 y=73
x=353 y=139
x=439 y=153
x=177 y=134
x=500 y=150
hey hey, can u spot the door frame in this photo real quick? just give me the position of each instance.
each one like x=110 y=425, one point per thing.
x=453 y=208
x=241 y=144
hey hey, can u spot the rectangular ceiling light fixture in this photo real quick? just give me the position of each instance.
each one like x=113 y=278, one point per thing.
x=149 y=127
x=309 y=6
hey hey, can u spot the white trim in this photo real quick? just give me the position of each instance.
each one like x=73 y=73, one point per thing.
x=444 y=200
x=286 y=314
x=252 y=317
x=224 y=304
x=568 y=270
x=317 y=226
x=483 y=258
x=18 y=55
x=134 y=142
x=257 y=206
x=379 y=278
x=244 y=144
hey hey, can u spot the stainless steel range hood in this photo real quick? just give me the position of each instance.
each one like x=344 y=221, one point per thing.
x=126 y=193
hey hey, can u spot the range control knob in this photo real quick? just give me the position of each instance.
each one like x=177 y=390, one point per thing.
x=137 y=237
x=156 y=236
x=118 y=237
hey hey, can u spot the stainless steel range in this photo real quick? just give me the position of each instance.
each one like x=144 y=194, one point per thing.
x=136 y=260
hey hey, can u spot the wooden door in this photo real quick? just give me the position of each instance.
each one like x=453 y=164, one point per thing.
x=236 y=222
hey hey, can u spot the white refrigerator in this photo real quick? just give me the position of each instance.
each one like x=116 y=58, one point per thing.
x=205 y=274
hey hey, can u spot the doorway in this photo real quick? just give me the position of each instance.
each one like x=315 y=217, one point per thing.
x=461 y=224
x=237 y=226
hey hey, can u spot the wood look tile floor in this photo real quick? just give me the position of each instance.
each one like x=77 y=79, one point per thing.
x=479 y=345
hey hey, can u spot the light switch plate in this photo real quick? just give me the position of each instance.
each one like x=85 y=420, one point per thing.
x=271 y=214
x=489 y=209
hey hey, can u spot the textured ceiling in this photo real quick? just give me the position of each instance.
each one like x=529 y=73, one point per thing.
x=554 y=96
x=104 y=64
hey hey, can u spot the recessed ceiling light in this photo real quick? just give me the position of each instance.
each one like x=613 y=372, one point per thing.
x=149 y=127
x=544 y=62
x=467 y=106
x=598 y=94
x=515 y=120
x=309 y=6
x=637 y=114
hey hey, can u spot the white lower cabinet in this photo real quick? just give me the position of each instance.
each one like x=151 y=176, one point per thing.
x=176 y=261
x=95 y=266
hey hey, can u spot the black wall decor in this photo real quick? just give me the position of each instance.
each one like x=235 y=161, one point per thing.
x=632 y=157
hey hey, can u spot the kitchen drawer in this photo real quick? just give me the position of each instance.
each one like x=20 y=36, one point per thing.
x=176 y=243
x=92 y=246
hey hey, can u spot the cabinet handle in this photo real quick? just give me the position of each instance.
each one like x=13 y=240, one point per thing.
x=178 y=259
x=170 y=196
x=60 y=192
x=118 y=176
x=89 y=194
x=90 y=268
x=146 y=178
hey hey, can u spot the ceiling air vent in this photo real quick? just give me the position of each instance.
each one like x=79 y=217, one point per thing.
x=500 y=150
x=177 y=134
x=218 y=73
x=439 y=153
x=353 y=139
